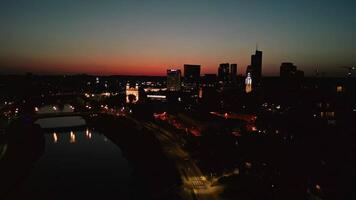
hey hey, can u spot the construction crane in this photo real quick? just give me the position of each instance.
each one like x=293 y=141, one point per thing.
x=350 y=69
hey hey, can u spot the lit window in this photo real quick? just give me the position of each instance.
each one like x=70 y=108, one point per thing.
x=339 y=88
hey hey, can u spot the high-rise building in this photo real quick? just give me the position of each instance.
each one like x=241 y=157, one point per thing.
x=249 y=70
x=287 y=70
x=173 y=79
x=233 y=69
x=233 y=73
x=191 y=75
x=223 y=72
x=256 y=67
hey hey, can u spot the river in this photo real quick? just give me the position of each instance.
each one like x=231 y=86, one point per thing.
x=67 y=163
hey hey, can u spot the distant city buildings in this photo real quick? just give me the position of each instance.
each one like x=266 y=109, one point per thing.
x=223 y=72
x=173 y=80
x=227 y=73
x=210 y=80
x=290 y=76
x=191 y=76
x=287 y=70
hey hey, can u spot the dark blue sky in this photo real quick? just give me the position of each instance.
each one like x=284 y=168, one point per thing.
x=146 y=37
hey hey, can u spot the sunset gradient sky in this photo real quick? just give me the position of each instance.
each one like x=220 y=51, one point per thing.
x=146 y=37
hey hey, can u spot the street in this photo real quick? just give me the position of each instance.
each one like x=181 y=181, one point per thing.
x=193 y=178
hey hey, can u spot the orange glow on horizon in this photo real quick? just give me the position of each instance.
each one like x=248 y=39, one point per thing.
x=113 y=66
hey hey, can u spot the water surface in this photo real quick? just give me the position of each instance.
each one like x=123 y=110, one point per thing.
x=82 y=164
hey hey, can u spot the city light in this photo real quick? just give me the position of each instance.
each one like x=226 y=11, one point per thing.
x=317 y=187
x=248 y=83
x=339 y=88
x=156 y=96
x=131 y=98
x=88 y=134
x=107 y=94
x=55 y=138
x=72 y=137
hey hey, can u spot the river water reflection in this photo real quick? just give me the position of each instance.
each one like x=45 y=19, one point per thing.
x=82 y=164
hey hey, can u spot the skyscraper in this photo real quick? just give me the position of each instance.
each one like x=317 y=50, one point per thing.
x=223 y=72
x=233 y=73
x=256 y=67
x=287 y=70
x=191 y=75
x=173 y=79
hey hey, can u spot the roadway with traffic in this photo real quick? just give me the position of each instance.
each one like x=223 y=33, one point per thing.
x=194 y=182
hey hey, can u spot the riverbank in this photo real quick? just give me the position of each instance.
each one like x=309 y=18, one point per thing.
x=153 y=171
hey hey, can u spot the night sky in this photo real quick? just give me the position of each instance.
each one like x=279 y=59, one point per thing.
x=146 y=37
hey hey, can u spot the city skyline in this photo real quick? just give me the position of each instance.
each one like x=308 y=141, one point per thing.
x=177 y=99
x=141 y=38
